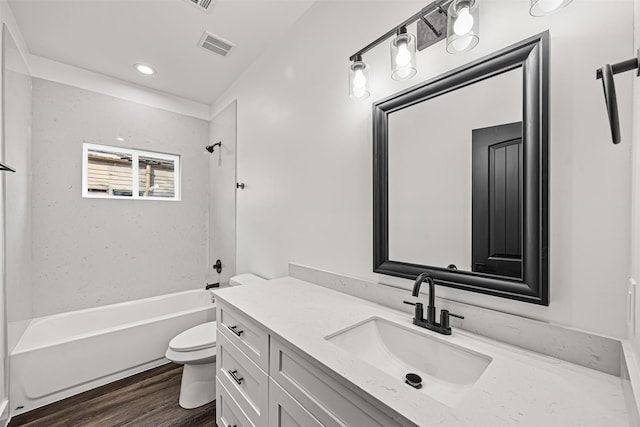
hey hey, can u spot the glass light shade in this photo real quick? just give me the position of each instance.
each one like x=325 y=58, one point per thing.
x=463 y=25
x=547 y=7
x=359 y=80
x=403 y=57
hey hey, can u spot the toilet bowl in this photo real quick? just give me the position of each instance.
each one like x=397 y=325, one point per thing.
x=195 y=348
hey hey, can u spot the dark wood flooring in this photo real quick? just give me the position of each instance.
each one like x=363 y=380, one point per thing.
x=148 y=399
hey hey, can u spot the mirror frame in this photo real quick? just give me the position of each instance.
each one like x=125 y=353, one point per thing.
x=532 y=55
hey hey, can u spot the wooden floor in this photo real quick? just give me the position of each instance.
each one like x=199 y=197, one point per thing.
x=149 y=399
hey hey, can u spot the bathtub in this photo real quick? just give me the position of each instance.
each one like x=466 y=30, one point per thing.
x=65 y=354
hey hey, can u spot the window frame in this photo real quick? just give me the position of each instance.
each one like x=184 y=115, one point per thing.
x=135 y=175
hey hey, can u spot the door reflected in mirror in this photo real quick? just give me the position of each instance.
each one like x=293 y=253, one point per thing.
x=455 y=179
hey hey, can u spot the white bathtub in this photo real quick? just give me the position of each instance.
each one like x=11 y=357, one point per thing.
x=68 y=353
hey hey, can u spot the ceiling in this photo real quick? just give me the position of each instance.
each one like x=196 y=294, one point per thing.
x=109 y=36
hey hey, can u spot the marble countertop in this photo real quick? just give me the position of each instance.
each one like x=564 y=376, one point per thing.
x=519 y=387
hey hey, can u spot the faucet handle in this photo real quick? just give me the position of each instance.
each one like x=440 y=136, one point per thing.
x=418 y=313
x=444 y=318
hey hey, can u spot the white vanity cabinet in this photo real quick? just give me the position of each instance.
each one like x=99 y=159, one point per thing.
x=325 y=398
x=262 y=382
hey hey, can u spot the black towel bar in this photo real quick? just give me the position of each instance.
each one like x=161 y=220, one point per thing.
x=606 y=73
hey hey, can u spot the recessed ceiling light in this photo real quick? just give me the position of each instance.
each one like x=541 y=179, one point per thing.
x=144 y=69
x=121 y=139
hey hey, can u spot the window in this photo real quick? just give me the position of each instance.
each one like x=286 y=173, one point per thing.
x=121 y=173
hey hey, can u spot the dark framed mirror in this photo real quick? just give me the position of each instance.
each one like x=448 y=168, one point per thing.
x=460 y=176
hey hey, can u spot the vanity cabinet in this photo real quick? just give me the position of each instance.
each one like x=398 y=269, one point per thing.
x=326 y=399
x=285 y=411
x=228 y=412
x=261 y=382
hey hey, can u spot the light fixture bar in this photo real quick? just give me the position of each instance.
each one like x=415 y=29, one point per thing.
x=425 y=11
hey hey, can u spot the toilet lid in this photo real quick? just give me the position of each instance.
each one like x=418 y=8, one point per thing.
x=197 y=338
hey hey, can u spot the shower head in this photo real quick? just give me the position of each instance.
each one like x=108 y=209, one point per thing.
x=210 y=148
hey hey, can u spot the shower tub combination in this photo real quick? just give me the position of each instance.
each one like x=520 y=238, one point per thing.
x=65 y=354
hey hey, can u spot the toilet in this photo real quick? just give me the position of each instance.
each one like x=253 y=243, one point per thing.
x=195 y=348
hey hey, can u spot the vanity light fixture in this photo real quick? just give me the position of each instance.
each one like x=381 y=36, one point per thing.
x=461 y=26
x=403 y=45
x=403 y=55
x=358 y=79
x=547 y=7
x=145 y=69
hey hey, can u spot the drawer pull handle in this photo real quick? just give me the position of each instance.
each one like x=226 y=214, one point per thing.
x=236 y=379
x=229 y=425
x=235 y=330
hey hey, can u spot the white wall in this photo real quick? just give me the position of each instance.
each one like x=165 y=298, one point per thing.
x=7 y=18
x=222 y=194
x=633 y=315
x=91 y=252
x=17 y=153
x=304 y=149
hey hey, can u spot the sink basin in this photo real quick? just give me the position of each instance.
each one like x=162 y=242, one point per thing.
x=448 y=371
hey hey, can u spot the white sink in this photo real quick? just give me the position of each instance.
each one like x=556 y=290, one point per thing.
x=448 y=371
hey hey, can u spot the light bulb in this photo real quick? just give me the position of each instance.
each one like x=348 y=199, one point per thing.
x=403 y=57
x=549 y=5
x=359 y=80
x=464 y=21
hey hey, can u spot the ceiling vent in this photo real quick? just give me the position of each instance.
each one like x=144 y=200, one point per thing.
x=202 y=5
x=215 y=44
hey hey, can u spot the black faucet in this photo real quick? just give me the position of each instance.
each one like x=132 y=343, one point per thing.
x=443 y=327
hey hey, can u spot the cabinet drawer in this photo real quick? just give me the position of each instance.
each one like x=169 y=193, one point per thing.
x=228 y=412
x=245 y=381
x=284 y=411
x=244 y=333
x=327 y=400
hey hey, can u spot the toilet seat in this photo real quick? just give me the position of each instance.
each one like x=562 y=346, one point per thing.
x=199 y=337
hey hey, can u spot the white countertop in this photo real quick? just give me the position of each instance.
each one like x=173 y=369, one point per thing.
x=519 y=387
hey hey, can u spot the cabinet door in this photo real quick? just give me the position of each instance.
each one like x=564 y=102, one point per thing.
x=321 y=395
x=284 y=411
x=228 y=412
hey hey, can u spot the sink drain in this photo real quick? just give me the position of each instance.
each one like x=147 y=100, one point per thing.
x=414 y=380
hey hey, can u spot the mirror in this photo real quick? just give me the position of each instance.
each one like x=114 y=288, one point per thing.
x=460 y=176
